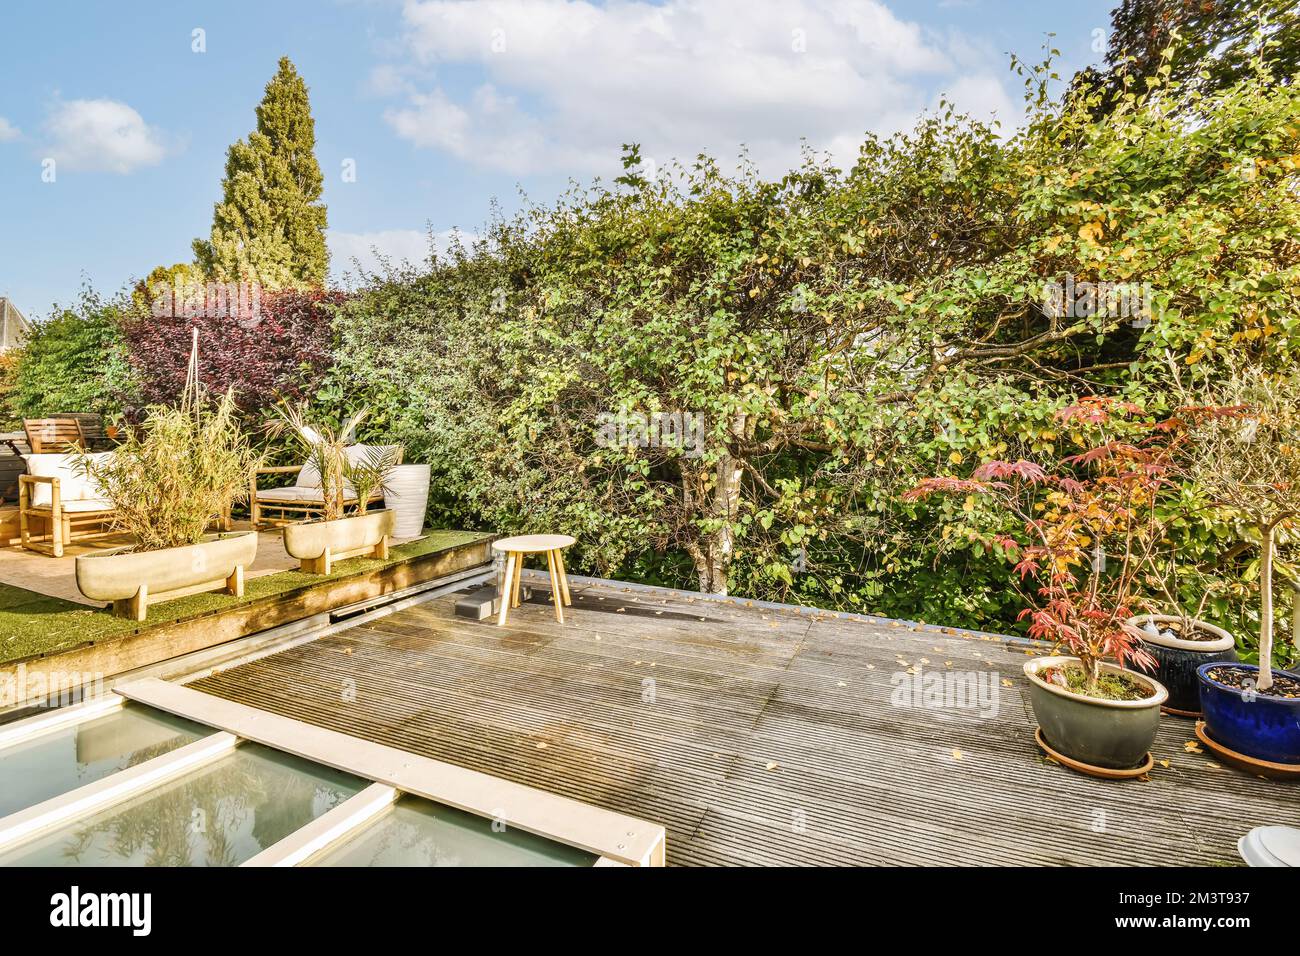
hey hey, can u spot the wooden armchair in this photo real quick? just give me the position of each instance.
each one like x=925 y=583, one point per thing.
x=59 y=433
x=54 y=496
x=303 y=499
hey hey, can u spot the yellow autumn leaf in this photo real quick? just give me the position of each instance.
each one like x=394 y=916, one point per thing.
x=1091 y=231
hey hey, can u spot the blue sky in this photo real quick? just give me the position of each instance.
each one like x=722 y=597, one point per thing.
x=444 y=106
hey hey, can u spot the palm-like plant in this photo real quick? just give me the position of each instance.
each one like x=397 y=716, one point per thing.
x=326 y=450
x=370 y=474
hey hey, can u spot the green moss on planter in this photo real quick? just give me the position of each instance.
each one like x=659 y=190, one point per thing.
x=32 y=624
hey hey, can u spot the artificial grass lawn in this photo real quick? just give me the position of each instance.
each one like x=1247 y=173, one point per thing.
x=32 y=624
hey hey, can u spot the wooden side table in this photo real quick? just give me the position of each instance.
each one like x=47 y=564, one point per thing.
x=515 y=550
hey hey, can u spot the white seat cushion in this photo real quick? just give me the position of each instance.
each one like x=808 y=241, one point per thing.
x=80 y=506
x=291 y=494
x=73 y=485
x=296 y=494
x=87 y=504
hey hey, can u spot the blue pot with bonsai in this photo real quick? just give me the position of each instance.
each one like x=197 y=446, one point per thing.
x=1245 y=458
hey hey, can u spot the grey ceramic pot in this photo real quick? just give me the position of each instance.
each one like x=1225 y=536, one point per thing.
x=1177 y=659
x=1115 y=734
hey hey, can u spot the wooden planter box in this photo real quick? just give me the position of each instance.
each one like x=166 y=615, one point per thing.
x=132 y=579
x=318 y=544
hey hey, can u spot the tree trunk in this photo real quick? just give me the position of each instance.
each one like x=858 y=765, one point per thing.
x=713 y=555
x=711 y=496
x=1266 y=610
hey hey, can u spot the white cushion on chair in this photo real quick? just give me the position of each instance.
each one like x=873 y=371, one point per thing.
x=54 y=466
x=73 y=485
x=309 y=477
x=293 y=493
x=91 y=488
x=357 y=454
x=86 y=504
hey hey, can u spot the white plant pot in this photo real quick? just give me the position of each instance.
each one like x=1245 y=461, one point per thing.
x=318 y=544
x=407 y=493
x=134 y=579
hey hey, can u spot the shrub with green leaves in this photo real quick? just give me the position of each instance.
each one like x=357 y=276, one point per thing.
x=73 y=362
x=840 y=334
x=177 y=472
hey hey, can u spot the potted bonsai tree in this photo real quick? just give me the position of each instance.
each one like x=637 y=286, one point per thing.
x=1244 y=456
x=349 y=476
x=1180 y=644
x=169 y=481
x=1092 y=708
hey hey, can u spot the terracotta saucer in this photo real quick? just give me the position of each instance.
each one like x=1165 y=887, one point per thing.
x=1261 y=768
x=1106 y=773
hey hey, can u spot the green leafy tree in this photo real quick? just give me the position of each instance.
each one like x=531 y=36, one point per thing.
x=179 y=276
x=839 y=335
x=269 y=226
x=73 y=362
x=1206 y=45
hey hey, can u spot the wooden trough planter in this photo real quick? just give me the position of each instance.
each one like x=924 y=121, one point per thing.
x=26 y=681
x=131 y=580
x=318 y=544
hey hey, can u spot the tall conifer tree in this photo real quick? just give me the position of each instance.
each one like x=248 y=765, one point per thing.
x=269 y=226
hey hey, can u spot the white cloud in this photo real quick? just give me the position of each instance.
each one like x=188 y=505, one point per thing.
x=8 y=131
x=984 y=96
x=398 y=246
x=102 y=135
x=562 y=83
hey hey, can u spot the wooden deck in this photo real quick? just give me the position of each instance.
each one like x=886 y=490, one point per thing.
x=755 y=735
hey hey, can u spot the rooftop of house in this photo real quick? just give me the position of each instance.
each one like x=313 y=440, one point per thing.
x=13 y=325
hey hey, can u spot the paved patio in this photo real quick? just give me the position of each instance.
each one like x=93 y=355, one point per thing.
x=757 y=735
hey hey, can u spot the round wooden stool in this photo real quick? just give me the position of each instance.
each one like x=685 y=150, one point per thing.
x=515 y=550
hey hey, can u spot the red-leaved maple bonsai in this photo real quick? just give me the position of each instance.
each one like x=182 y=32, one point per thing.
x=1089 y=532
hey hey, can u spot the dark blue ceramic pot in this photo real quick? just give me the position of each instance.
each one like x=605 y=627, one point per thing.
x=1259 y=726
x=1177 y=659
